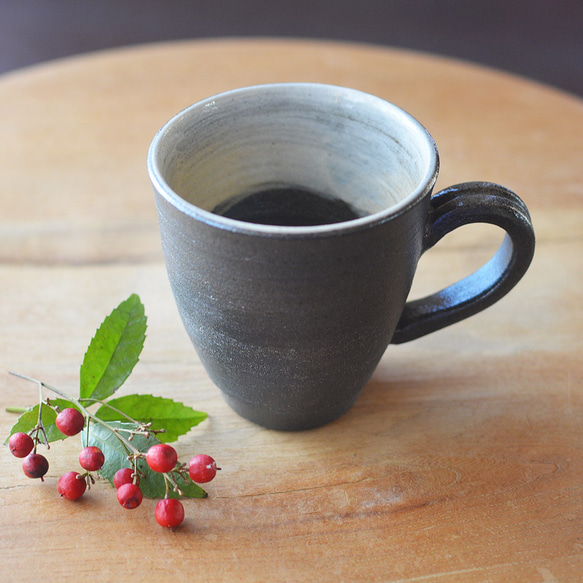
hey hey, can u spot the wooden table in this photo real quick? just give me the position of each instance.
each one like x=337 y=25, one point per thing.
x=461 y=460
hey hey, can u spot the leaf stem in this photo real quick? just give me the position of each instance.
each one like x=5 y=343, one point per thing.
x=115 y=409
x=18 y=410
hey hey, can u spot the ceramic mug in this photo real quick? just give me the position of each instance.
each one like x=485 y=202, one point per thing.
x=292 y=218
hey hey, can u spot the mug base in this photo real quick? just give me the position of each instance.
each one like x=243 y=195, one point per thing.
x=284 y=420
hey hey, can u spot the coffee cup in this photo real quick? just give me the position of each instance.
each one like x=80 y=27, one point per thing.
x=292 y=218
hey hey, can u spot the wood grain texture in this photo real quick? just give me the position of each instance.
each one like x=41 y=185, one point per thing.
x=461 y=460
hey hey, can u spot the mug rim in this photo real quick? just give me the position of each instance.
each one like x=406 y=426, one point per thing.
x=162 y=187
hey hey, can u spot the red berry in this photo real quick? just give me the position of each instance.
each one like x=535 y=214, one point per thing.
x=71 y=486
x=20 y=444
x=129 y=496
x=35 y=465
x=91 y=458
x=70 y=421
x=162 y=458
x=202 y=468
x=125 y=476
x=169 y=512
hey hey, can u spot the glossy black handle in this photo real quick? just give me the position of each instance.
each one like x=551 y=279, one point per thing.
x=471 y=202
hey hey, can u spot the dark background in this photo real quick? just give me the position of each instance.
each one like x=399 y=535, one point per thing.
x=539 y=39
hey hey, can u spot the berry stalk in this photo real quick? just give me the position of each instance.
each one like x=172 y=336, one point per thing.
x=155 y=470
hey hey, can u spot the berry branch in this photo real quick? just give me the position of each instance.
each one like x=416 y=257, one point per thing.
x=88 y=415
x=123 y=431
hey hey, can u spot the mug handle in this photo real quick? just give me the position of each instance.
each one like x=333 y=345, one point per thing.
x=462 y=204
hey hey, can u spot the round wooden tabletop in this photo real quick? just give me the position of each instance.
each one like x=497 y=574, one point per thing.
x=461 y=460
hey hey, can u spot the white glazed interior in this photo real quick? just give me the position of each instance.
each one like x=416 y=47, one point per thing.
x=327 y=139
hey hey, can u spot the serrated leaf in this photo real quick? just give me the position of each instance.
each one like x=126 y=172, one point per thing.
x=28 y=420
x=152 y=483
x=163 y=413
x=114 y=350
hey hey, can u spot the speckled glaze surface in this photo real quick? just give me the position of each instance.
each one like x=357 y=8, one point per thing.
x=291 y=321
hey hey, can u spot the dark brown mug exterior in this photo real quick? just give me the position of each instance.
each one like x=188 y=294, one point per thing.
x=291 y=325
x=292 y=328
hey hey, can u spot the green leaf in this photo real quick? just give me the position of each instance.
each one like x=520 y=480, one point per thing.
x=28 y=420
x=114 y=350
x=176 y=418
x=152 y=483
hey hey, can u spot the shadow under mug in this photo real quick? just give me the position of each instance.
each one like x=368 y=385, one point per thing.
x=292 y=219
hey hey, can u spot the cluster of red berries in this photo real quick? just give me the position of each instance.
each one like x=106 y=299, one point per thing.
x=160 y=458
x=72 y=485
x=69 y=422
